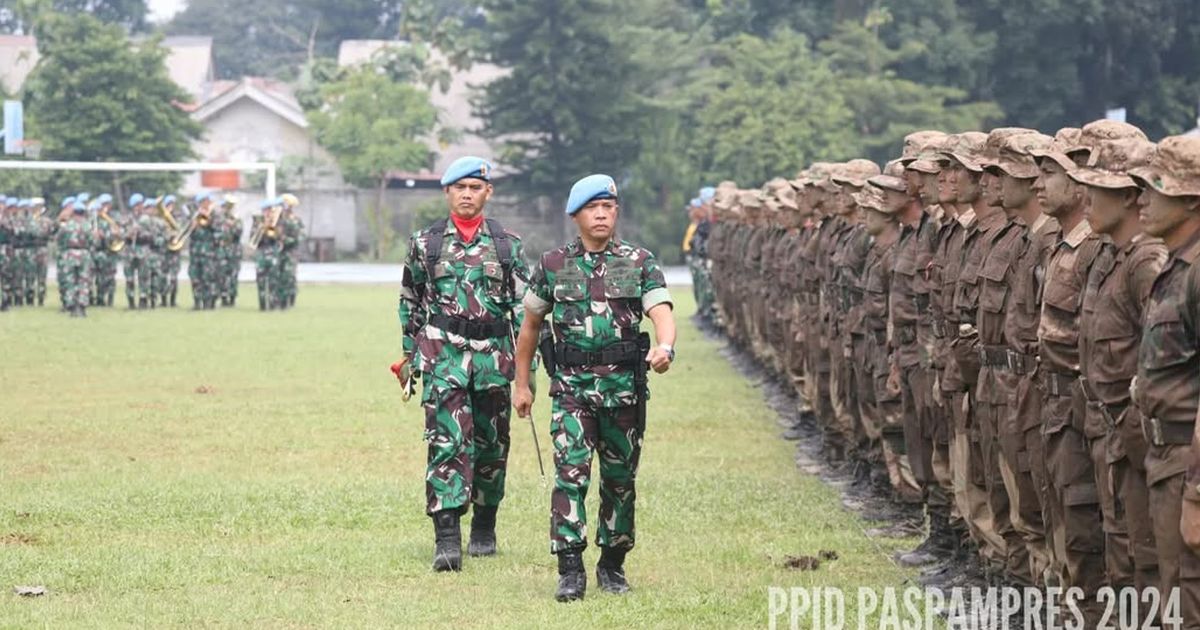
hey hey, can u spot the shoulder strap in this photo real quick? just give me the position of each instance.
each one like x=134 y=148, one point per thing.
x=433 y=246
x=503 y=252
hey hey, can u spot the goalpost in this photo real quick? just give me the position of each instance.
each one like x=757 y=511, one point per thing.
x=186 y=167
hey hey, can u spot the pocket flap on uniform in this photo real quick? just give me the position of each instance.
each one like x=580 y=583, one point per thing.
x=569 y=292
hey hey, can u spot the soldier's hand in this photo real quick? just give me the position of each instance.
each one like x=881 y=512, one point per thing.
x=893 y=380
x=523 y=401
x=1189 y=524
x=659 y=360
x=402 y=370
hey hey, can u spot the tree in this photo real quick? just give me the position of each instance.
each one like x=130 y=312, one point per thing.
x=24 y=15
x=775 y=108
x=372 y=126
x=565 y=108
x=275 y=38
x=95 y=97
x=887 y=107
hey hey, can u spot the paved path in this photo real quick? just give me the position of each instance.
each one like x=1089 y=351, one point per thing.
x=363 y=273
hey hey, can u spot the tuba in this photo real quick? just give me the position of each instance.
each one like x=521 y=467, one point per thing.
x=119 y=244
x=181 y=239
x=268 y=228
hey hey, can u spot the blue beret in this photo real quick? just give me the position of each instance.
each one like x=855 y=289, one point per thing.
x=200 y=197
x=707 y=193
x=83 y=197
x=696 y=203
x=136 y=199
x=469 y=166
x=11 y=201
x=266 y=204
x=80 y=207
x=589 y=188
x=24 y=203
x=168 y=200
x=105 y=198
x=67 y=202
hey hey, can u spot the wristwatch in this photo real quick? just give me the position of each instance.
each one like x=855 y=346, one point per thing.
x=666 y=347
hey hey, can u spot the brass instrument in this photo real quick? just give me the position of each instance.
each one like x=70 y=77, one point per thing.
x=119 y=244
x=181 y=239
x=268 y=228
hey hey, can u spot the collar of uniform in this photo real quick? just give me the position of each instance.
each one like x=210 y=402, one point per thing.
x=967 y=218
x=1039 y=222
x=577 y=249
x=1078 y=234
x=1189 y=252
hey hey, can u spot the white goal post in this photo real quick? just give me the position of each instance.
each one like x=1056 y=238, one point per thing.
x=186 y=167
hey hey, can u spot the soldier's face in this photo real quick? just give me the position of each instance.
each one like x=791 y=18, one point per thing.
x=966 y=184
x=1014 y=192
x=1056 y=192
x=912 y=180
x=990 y=188
x=929 y=188
x=1107 y=208
x=598 y=219
x=1161 y=214
x=876 y=222
x=895 y=200
x=946 y=186
x=467 y=197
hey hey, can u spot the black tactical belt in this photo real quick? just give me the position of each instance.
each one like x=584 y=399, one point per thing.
x=470 y=329
x=921 y=300
x=144 y=241
x=1160 y=433
x=938 y=326
x=619 y=353
x=905 y=334
x=880 y=336
x=1021 y=364
x=1058 y=383
x=993 y=356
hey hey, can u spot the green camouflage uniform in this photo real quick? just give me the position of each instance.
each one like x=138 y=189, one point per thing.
x=266 y=266
x=229 y=254
x=203 y=262
x=172 y=262
x=466 y=381
x=7 y=281
x=594 y=300
x=24 y=257
x=44 y=228
x=145 y=259
x=293 y=233
x=76 y=240
x=104 y=263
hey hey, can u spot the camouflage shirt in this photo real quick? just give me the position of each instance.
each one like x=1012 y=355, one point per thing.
x=76 y=233
x=467 y=282
x=596 y=299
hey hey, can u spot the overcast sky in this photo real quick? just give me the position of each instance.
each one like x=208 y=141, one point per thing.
x=163 y=10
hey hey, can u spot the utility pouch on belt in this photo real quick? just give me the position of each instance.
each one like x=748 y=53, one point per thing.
x=546 y=349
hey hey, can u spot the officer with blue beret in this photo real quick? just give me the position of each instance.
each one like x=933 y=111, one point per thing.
x=595 y=291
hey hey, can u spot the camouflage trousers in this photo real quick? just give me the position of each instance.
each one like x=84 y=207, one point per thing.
x=578 y=429
x=75 y=277
x=172 y=262
x=104 y=273
x=467 y=433
x=141 y=275
x=230 y=264
x=287 y=277
x=203 y=270
x=267 y=277
x=8 y=281
x=41 y=258
x=25 y=272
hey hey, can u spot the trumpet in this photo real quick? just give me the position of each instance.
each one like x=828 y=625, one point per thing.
x=119 y=244
x=267 y=228
x=181 y=239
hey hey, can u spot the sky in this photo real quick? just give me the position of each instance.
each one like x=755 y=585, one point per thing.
x=163 y=10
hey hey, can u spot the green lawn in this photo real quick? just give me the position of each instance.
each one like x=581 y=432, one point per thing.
x=236 y=469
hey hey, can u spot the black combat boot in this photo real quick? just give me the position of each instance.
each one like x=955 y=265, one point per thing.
x=109 y=299
x=132 y=303
x=83 y=311
x=447 y=536
x=483 y=532
x=262 y=304
x=41 y=299
x=610 y=571
x=18 y=300
x=937 y=545
x=163 y=301
x=142 y=304
x=172 y=299
x=3 y=304
x=572 y=579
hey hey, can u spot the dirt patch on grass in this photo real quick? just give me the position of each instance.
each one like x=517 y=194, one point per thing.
x=17 y=538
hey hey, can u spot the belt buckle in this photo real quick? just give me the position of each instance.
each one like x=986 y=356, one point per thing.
x=1011 y=358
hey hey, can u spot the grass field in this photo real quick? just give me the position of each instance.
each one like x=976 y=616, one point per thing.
x=240 y=469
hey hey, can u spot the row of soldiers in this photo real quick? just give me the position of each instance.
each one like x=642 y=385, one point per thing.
x=1004 y=328
x=148 y=241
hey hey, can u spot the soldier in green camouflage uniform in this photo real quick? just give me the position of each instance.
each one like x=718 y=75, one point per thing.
x=42 y=229
x=459 y=299
x=266 y=257
x=203 y=263
x=292 y=228
x=149 y=234
x=104 y=260
x=172 y=261
x=595 y=290
x=22 y=254
x=229 y=252
x=76 y=240
x=8 y=237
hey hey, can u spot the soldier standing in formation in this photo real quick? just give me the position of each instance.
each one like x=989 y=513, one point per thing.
x=1015 y=345
x=229 y=250
x=292 y=235
x=77 y=238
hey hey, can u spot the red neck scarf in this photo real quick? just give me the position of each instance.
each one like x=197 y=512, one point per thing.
x=467 y=227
